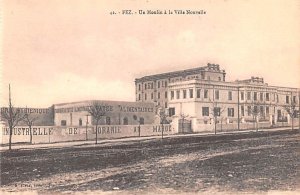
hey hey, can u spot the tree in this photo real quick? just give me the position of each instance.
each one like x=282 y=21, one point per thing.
x=217 y=112
x=13 y=116
x=29 y=120
x=139 y=121
x=291 y=109
x=255 y=112
x=183 y=117
x=163 y=120
x=97 y=111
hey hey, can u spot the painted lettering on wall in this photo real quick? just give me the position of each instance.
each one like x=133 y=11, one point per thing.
x=28 y=110
x=159 y=128
x=106 y=108
x=109 y=130
x=26 y=131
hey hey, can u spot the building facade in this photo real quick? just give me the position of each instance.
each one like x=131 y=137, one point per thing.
x=154 y=88
x=204 y=96
x=115 y=113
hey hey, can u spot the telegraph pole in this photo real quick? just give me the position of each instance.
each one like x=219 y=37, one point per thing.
x=238 y=108
x=86 y=127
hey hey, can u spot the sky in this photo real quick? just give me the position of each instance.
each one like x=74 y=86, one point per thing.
x=56 y=51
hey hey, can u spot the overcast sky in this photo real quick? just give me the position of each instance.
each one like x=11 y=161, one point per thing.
x=64 y=51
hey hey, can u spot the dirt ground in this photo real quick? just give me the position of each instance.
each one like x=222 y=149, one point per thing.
x=251 y=163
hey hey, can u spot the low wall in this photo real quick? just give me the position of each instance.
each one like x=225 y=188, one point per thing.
x=50 y=134
x=243 y=126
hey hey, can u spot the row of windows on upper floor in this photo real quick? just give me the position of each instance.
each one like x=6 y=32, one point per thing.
x=262 y=96
x=159 y=96
x=151 y=85
x=249 y=95
x=160 y=84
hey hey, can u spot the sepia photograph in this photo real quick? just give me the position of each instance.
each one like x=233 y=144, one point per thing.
x=150 y=97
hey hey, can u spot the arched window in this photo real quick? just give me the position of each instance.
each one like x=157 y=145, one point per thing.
x=108 y=120
x=80 y=122
x=142 y=121
x=125 y=121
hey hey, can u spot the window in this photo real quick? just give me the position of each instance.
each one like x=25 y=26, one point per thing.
x=80 y=122
x=166 y=94
x=107 y=120
x=267 y=97
x=261 y=97
x=145 y=85
x=217 y=111
x=242 y=111
x=230 y=112
x=145 y=96
x=249 y=110
x=171 y=111
x=277 y=97
x=205 y=111
x=142 y=121
x=158 y=84
x=255 y=109
x=229 y=95
x=217 y=95
x=158 y=95
x=279 y=115
x=205 y=93
x=261 y=111
x=63 y=123
x=294 y=99
x=219 y=78
x=242 y=95
x=177 y=94
x=191 y=93
x=139 y=96
x=166 y=105
x=255 y=96
x=248 y=95
x=172 y=95
x=139 y=87
x=267 y=110
x=287 y=99
x=152 y=96
x=166 y=83
x=151 y=85
x=198 y=93
x=184 y=94
x=125 y=121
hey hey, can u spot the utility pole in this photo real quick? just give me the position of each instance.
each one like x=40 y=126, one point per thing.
x=86 y=127
x=299 y=109
x=238 y=108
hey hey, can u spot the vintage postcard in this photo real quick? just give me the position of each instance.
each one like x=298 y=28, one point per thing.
x=150 y=97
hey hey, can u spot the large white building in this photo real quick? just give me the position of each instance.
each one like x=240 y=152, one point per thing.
x=203 y=96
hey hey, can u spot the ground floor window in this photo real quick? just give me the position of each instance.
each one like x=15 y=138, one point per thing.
x=125 y=121
x=171 y=111
x=108 y=120
x=205 y=111
x=142 y=121
x=231 y=112
x=63 y=123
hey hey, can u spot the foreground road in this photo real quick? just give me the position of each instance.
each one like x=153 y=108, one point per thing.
x=252 y=163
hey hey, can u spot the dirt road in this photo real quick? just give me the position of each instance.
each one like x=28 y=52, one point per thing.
x=251 y=163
